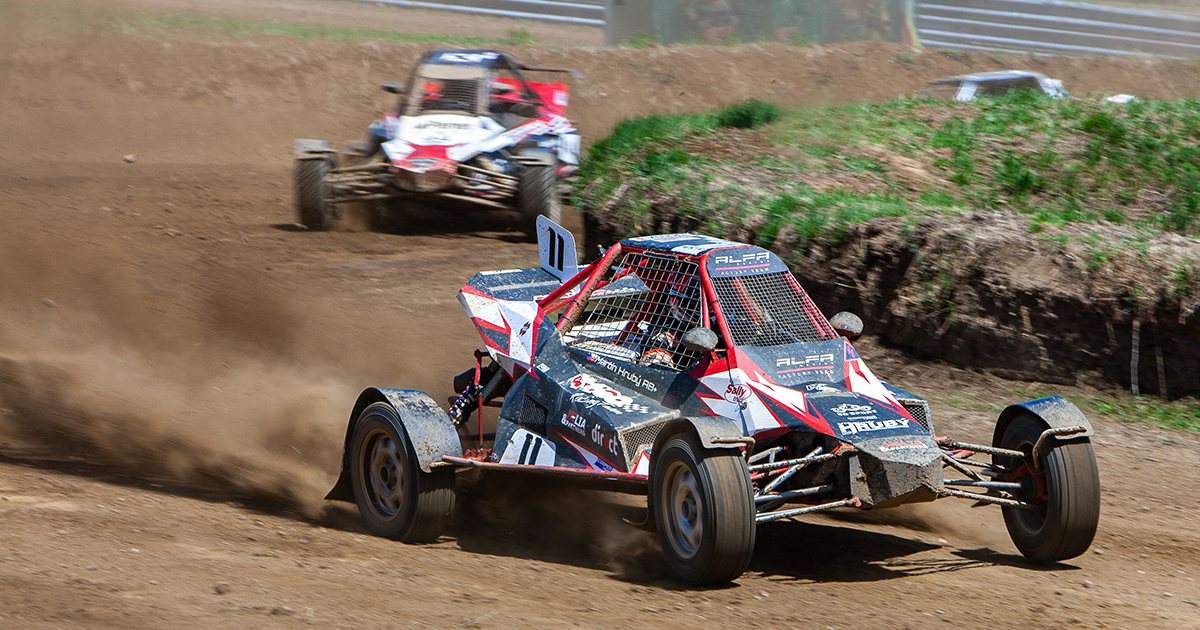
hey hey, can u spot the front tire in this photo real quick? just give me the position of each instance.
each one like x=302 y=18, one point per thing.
x=1065 y=523
x=395 y=497
x=310 y=187
x=537 y=195
x=703 y=508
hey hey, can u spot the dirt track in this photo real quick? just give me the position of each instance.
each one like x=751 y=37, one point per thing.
x=176 y=364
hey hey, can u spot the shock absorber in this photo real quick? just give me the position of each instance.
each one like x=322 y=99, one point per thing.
x=474 y=395
x=466 y=402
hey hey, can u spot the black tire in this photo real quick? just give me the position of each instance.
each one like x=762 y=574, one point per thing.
x=395 y=497
x=1063 y=527
x=703 y=508
x=310 y=188
x=537 y=195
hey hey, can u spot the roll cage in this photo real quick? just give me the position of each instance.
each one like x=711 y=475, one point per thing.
x=458 y=81
x=635 y=296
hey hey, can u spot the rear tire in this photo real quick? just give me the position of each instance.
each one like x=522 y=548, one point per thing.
x=1064 y=526
x=537 y=195
x=703 y=508
x=311 y=191
x=396 y=498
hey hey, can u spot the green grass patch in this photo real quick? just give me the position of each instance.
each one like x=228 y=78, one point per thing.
x=751 y=114
x=1058 y=162
x=1182 y=414
x=645 y=156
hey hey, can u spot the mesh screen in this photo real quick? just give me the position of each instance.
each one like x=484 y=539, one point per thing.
x=646 y=326
x=637 y=439
x=533 y=416
x=919 y=410
x=448 y=95
x=770 y=310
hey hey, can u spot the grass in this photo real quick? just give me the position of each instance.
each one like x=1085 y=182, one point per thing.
x=1018 y=151
x=1182 y=414
x=1058 y=162
x=648 y=153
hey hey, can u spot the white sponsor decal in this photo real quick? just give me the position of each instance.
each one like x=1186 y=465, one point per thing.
x=668 y=238
x=851 y=428
x=466 y=57
x=738 y=260
x=626 y=374
x=604 y=440
x=593 y=392
x=442 y=129
x=820 y=387
x=847 y=409
x=574 y=422
x=820 y=360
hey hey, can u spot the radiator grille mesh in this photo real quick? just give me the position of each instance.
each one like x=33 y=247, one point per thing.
x=533 y=416
x=637 y=439
x=919 y=410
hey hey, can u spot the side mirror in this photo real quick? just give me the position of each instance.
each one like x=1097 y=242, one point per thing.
x=847 y=325
x=700 y=340
x=392 y=87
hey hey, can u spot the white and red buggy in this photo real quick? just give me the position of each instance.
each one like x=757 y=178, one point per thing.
x=698 y=372
x=469 y=127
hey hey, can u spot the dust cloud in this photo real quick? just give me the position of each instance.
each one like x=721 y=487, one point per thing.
x=218 y=386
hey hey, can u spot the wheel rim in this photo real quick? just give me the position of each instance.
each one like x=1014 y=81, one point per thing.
x=684 y=510
x=385 y=473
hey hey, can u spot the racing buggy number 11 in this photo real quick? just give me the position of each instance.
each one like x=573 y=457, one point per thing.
x=697 y=372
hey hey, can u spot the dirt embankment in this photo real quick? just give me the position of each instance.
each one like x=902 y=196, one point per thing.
x=982 y=292
x=986 y=295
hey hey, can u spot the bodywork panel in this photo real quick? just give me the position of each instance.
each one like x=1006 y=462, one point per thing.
x=1057 y=412
x=426 y=425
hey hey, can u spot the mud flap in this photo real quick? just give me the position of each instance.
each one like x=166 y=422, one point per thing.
x=1056 y=411
x=428 y=428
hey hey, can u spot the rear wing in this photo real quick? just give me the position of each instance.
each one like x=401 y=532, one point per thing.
x=556 y=250
x=559 y=263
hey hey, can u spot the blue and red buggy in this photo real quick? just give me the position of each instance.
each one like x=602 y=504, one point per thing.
x=697 y=371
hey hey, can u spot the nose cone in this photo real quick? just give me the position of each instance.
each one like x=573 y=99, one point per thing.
x=891 y=471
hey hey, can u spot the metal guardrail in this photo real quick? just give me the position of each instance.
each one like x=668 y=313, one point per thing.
x=586 y=12
x=1053 y=27
x=1011 y=26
